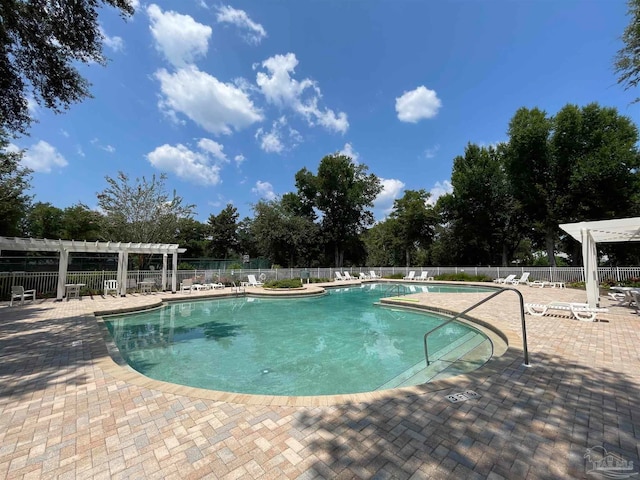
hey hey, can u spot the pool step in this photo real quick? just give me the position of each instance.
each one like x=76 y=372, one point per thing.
x=454 y=350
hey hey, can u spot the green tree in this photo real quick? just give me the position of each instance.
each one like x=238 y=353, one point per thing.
x=415 y=221
x=41 y=43
x=45 y=221
x=627 y=60
x=483 y=215
x=192 y=235
x=223 y=229
x=383 y=244
x=342 y=192
x=142 y=211
x=14 y=183
x=81 y=223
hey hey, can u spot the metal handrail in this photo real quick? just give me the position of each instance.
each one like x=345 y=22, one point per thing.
x=458 y=315
x=396 y=288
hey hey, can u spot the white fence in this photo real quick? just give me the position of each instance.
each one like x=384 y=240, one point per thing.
x=45 y=283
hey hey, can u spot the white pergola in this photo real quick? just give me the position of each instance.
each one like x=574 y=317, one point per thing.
x=64 y=247
x=592 y=233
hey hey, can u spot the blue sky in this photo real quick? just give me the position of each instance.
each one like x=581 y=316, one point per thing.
x=230 y=100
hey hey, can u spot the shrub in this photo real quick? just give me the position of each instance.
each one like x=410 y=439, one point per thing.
x=395 y=276
x=286 y=283
x=185 y=266
x=319 y=280
x=462 y=277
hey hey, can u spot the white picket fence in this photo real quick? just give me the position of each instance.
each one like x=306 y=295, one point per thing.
x=45 y=282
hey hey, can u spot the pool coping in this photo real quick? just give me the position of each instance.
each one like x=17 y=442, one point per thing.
x=110 y=359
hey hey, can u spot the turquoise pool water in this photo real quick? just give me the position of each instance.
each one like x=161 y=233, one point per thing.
x=337 y=343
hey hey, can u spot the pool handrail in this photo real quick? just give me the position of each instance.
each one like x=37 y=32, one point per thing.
x=475 y=305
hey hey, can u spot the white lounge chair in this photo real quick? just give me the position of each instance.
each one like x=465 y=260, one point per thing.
x=186 y=285
x=523 y=279
x=363 y=276
x=505 y=280
x=253 y=282
x=110 y=286
x=373 y=275
x=339 y=276
x=411 y=276
x=424 y=276
x=581 y=311
x=22 y=294
x=347 y=276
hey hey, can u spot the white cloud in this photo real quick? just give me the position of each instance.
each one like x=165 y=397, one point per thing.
x=135 y=4
x=239 y=159
x=280 y=89
x=350 y=152
x=254 y=32
x=438 y=190
x=79 y=151
x=431 y=152
x=273 y=141
x=42 y=157
x=214 y=148
x=215 y=106
x=194 y=166
x=178 y=37
x=264 y=190
x=114 y=43
x=64 y=133
x=391 y=189
x=417 y=104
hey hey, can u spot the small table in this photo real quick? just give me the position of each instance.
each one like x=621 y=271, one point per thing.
x=73 y=290
x=146 y=286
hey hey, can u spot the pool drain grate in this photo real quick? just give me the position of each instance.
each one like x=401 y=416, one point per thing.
x=461 y=397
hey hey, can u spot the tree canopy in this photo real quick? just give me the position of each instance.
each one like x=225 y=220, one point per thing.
x=41 y=43
x=627 y=60
x=15 y=181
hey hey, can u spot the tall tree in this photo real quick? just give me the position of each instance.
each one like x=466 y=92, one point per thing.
x=41 y=43
x=15 y=181
x=142 y=211
x=223 y=229
x=192 y=235
x=343 y=192
x=81 y=223
x=45 y=221
x=415 y=221
x=627 y=60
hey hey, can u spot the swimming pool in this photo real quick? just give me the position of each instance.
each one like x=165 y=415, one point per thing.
x=337 y=343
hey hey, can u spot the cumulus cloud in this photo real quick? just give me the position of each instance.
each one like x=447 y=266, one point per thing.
x=199 y=166
x=264 y=190
x=283 y=91
x=239 y=159
x=438 y=190
x=350 y=152
x=391 y=189
x=273 y=141
x=178 y=37
x=417 y=104
x=41 y=157
x=114 y=43
x=252 y=32
x=216 y=106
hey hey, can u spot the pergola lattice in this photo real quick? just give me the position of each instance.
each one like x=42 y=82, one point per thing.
x=123 y=249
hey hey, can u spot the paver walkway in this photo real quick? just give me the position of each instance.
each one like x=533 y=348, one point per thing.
x=65 y=414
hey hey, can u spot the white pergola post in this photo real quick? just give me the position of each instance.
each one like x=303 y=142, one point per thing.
x=164 y=272
x=590 y=259
x=123 y=260
x=174 y=277
x=63 y=264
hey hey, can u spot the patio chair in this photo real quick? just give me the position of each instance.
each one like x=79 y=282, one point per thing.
x=186 y=285
x=505 y=280
x=253 y=282
x=110 y=286
x=424 y=277
x=22 y=294
x=339 y=276
x=411 y=276
x=373 y=275
x=364 y=276
x=580 y=311
x=523 y=279
x=347 y=276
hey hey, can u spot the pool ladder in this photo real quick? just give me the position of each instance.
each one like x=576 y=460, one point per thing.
x=397 y=290
x=484 y=300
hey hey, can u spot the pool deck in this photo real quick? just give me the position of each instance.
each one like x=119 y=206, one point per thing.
x=67 y=410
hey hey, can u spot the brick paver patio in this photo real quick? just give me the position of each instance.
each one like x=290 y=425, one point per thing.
x=68 y=411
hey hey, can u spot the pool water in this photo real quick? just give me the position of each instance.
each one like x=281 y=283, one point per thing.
x=337 y=343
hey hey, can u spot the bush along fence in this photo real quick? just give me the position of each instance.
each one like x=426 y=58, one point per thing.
x=45 y=282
